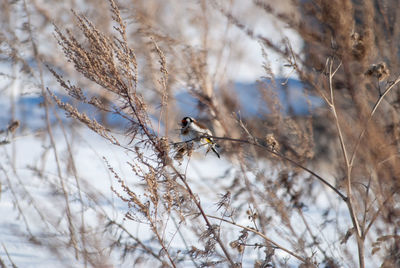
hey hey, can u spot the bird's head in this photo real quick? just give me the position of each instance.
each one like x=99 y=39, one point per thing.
x=186 y=121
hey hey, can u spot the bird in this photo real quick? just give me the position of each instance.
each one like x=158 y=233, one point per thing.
x=196 y=132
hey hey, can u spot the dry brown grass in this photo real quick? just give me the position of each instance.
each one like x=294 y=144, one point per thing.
x=282 y=165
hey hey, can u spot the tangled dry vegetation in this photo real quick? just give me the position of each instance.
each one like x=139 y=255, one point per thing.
x=340 y=162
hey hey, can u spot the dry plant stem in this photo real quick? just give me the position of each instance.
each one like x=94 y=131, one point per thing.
x=261 y=235
x=373 y=219
x=197 y=202
x=138 y=112
x=177 y=226
x=366 y=208
x=309 y=230
x=50 y=132
x=378 y=102
x=75 y=173
x=153 y=142
x=2 y=264
x=152 y=139
x=349 y=201
x=152 y=223
x=155 y=231
x=251 y=196
x=204 y=215
x=143 y=246
x=16 y=200
x=163 y=82
x=256 y=143
x=153 y=226
x=12 y=101
x=8 y=256
x=30 y=199
x=59 y=173
x=184 y=241
x=331 y=104
x=27 y=195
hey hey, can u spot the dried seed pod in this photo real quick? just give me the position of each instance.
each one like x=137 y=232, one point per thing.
x=379 y=71
x=272 y=143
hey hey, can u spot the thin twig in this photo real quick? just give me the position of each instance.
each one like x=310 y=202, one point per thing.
x=263 y=236
x=50 y=132
x=349 y=201
x=9 y=257
x=138 y=241
x=378 y=102
x=256 y=143
x=204 y=215
x=375 y=216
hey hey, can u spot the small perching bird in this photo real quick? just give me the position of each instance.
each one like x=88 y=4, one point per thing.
x=193 y=131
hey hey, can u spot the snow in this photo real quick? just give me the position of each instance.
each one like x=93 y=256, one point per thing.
x=35 y=186
x=35 y=192
x=29 y=177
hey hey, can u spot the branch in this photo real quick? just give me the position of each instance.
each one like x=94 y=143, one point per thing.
x=138 y=241
x=256 y=143
x=349 y=202
x=378 y=102
x=333 y=107
x=373 y=219
x=263 y=236
x=203 y=214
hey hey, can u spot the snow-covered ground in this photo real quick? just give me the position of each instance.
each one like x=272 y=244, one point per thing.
x=26 y=192
x=32 y=206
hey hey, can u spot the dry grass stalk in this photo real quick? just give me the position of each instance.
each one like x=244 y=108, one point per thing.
x=344 y=61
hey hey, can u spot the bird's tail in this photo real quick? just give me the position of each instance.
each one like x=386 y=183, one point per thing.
x=215 y=151
x=212 y=145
